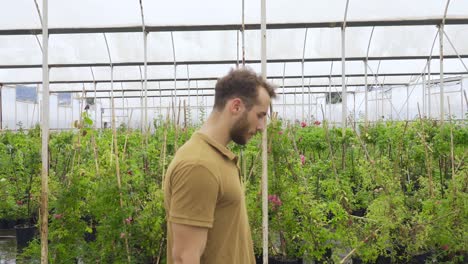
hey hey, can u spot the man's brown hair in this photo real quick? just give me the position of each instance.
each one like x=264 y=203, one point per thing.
x=243 y=83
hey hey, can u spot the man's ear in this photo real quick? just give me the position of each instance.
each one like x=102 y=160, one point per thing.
x=236 y=105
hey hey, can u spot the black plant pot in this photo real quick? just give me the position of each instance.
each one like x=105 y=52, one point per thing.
x=379 y=260
x=274 y=260
x=90 y=237
x=24 y=235
x=7 y=223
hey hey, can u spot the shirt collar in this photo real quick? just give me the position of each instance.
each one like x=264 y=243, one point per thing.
x=222 y=149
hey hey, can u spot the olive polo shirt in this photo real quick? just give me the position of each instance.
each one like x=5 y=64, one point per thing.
x=202 y=187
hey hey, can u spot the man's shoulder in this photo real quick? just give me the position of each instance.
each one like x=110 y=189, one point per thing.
x=194 y=153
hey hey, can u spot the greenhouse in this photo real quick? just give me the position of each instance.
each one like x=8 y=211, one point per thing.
x=362 y=159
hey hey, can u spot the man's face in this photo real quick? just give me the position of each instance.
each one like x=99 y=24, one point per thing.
x=251 y=121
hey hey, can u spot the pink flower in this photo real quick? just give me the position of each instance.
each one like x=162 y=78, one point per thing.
x=122 y=235
x=58 y=216
x=303 y=124
x=129 y=220
x=302 y=159
x=317 y=123
x=275 y=200
x=280 y=132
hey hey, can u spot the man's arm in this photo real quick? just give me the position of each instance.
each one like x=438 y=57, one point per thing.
x=188 y=243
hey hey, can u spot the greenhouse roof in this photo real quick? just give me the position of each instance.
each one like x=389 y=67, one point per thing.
x=201 y=40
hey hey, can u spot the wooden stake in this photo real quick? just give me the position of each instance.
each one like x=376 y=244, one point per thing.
x=128 y=132
x=427 y=156
x=163 y=159
x=327 y=136
x=452 y=155
x=351 y=253
x=185 y=114
x=363 y=146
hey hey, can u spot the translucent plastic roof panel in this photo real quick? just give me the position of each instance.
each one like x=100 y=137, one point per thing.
x=457 y=34
x=160 y=47
x=24 y=9
x=92 y=13
x=126 y=47
x=20 y=75
x=215 y=70
x=457 y=8
x=402 y=41
x=202 y=12
x=205 y=45
x=70 y=74
x=396 y=9
x=396 y=66
x=279 y=11
x=161 y=72
x=77 y=48
x=22 y=49
x=449 y=65
x=130 y=72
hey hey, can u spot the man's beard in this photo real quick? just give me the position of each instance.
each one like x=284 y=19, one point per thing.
x=240 y=130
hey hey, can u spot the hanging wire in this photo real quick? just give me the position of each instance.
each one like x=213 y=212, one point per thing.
x=302 y=77
x=145 y=63
x=174 y=102
x=456 y=52
x=243 y=33
x=329 y=93
x=38 y=11
x=343 y=71
x=284 y=96
x=441 y=53
x=423 y=71
x=366 y=98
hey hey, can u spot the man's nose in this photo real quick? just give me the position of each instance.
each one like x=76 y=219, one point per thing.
x=261 y=125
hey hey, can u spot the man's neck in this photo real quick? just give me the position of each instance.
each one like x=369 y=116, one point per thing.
x=216 y=128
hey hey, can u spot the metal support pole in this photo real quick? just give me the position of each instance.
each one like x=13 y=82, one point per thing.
x=145 y=71
x=58 y=110
x=16 y=110
x=383 y=102
x=366 y=94
x=366 y=65
x=302 y=77
x=343 y=81
x=329 y=100
x=284 y=95
x=441 y=45
x=429 y=89
x=175 y=74
x=1 y=110
x=44 y=212
x=27 y=116
x=354 y=107
x=423 y=94
x=343 y=72
x=264 y=143
x=407 y=102
x=95 y=105
x=461 y=99
x=197 y=105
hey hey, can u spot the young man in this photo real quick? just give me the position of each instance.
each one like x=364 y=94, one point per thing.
x=205 y=206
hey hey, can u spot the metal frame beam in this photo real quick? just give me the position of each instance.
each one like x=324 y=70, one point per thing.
x=211 y=94
x=224 y=27
x=228 y=62
x=210 y=88
x=216 y=78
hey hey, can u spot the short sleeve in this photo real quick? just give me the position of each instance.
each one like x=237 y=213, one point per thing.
x=194 y=194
